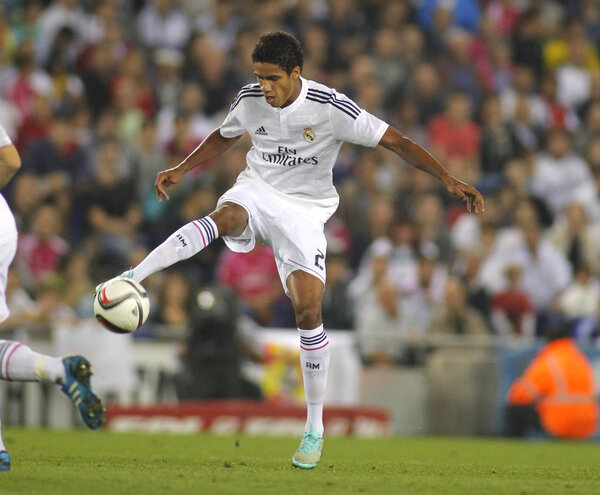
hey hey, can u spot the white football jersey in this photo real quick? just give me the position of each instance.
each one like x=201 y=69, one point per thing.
x=7 y=221
x=295 y=147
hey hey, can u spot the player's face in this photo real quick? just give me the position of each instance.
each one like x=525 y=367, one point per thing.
x=279 y=87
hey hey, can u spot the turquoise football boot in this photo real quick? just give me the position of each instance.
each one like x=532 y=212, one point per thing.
x=4 y=461
x=308 y=454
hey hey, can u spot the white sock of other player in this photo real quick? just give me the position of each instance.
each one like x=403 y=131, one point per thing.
x=180 y=245
x=19 y=363
x=314 y=359
x=2 y=447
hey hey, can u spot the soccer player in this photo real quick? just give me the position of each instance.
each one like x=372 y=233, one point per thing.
x=286 y=194
x=18 y=362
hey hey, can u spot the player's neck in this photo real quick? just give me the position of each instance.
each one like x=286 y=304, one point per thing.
x=295 y=93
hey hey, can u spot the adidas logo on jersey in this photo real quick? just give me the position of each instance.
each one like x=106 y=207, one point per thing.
x=261 y=131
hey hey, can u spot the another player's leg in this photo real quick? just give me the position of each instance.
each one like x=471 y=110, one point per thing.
x=77 y=386
x=4 y=457
x=18 y=362
x=306 y=292
x=227 y=219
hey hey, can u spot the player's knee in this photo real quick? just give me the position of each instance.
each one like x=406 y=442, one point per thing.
x=231 y=219
x=308 y=315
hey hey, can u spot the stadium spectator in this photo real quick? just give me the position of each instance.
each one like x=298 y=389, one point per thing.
x=66 y=15
x=428 y=293
x=337 y=307
x=589 y=130
x=438 y=17
x=168 y=81
x=577 y=236
x=27 y=26
x=253 y=278
x=546 y=271
x=383 y=319
x=41 y=250
x=455 y=316
x=573 y=77
x=587 y=330
x=561 y=177
x=97 y=78
x=37 y=124
x=581 y=297
x=58 y=158
x=512 y=311
x=113 y=214
x=498 y=143
x=174 y=302
x=453 y=134
x=162 y=24
x=432 y=229
x=460 y=63
x=75 y=272
x=425 y=89
x=24 y=80
x=571 y=40
x=558 y=114
x=522 y=95
x=147 y=159
x=528 y=40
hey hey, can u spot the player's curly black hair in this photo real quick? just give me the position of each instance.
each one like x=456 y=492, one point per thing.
x=281 y=49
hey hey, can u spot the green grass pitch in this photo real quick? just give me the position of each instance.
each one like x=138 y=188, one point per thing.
x=83 y=462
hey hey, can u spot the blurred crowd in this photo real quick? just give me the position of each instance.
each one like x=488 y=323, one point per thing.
x=99 y=95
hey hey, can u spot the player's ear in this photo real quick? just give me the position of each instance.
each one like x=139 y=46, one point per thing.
x=295 y=72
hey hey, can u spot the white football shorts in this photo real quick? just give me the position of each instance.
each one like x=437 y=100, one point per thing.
x=8 y=250
x=298 y=241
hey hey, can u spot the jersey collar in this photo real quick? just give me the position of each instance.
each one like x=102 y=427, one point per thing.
x=298 y=101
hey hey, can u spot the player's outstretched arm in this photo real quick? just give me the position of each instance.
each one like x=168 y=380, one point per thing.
x=420 y=158
x=213 y=145
x=10 y=162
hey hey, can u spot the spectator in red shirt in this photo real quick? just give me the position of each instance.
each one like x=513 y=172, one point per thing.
x=512 y=310
x=253 y=277
x=41 y=250
x=453 y=134
x=37 y=124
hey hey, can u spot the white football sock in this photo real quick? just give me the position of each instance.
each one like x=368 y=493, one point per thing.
x=19 y=363
x=314 y=359
x=2 y=447
x=180 y=245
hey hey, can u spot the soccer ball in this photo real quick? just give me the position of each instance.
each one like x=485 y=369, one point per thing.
x=121 y=305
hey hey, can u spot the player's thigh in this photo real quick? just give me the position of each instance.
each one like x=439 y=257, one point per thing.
x=299 y=244
x=254 y=202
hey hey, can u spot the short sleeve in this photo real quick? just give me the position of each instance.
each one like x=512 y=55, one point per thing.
x=352 y=124
x=4 y=139
x=233 y=124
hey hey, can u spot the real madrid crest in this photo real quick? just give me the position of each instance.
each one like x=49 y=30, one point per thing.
x=308 y=135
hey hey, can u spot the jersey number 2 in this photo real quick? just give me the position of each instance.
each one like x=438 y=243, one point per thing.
x=318 y=257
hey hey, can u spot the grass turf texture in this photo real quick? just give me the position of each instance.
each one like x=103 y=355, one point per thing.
x=73 y=462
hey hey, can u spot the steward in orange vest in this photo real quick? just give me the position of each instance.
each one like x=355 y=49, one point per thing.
x=556 y=394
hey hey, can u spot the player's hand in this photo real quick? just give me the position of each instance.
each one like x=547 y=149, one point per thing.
x=165 y=179
x=467 y=193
